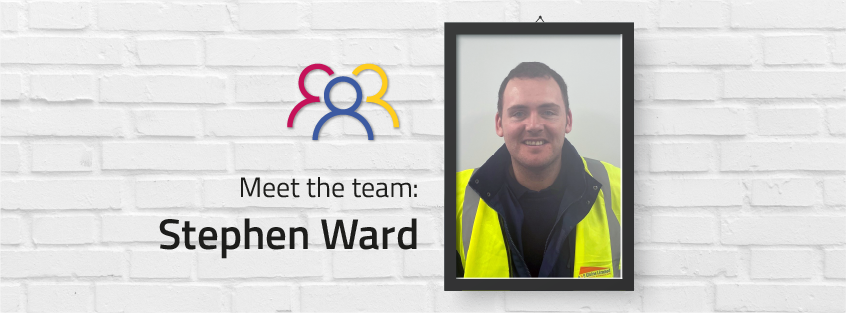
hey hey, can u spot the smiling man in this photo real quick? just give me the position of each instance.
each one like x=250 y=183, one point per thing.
x=536 y=208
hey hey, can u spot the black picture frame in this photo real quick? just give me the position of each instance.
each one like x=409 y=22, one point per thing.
x=452 y=31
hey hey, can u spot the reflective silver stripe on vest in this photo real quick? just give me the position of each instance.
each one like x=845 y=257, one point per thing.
x=601 y=175
x=471 y=204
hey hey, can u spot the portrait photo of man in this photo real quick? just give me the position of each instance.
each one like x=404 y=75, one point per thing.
x=539 y=149
x=562 y=210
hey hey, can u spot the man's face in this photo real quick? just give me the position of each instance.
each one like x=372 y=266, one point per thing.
x=533 y=121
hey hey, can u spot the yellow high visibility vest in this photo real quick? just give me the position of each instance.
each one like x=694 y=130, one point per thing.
x=482 y=247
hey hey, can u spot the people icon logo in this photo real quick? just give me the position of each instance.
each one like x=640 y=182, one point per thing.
x=333 y=110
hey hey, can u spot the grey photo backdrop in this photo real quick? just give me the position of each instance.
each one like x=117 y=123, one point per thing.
x=591 y=66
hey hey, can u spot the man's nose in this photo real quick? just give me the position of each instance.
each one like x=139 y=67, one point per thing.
x=534 y=123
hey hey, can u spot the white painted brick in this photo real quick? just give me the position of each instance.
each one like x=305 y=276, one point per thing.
x=413 y=87
x=9 y=17
x=642 y=158
x=684 y=229
x=61 y=157
x=364 y=263
x=10 y=154
x=428 y=121
x=162 y=88
x=779 y=297
x=268 y=16
x=62 y=50
x=428 y=193
x=835 y=191
x=152 y=51
x=606 y=11
x=477 y=11
x=643 y=231
x=151 y=193
x=775 y=156
x=430 y=51
x=788 y=121
x=840 y=48
x=160 y=264
x=62 y=122
x=360 y=297
x=835 y=263
x=163 y=16
x=467 y=301
x=687 y=262
x=784 y=192
x=379 y=119
x=62 y=87
x=368 y=155
x=268 y=88
x=374 y=15
x=267 y=52
x=61 y=297
x=572 y=301
x=11 y=296
x=226 y=193
x=164 y=156
x=384 y=51
x=644 y=88
x=11 y=86
x=689 y=192
x=139 y=297
x=62 y=194
x=145 y=228
x=686 y=86
x=699 y=50
x=784 y=84
x=11 y=230
x=691 y=121
x=836 y=120
x=262 y=263
x=178 y=123
x=681 y=157
x=788 y=14
x=67 y=263
x=782 y=263
x=783 y=230
x=58 y=15
x=804 y=49
x=64 y=229
x=426 y=229
x=692 y=297
x=423 y=262
x=692 y=14
x=262 y=298
x=266 y=156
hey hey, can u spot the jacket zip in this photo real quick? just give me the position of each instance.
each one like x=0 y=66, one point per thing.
x=507 y=247
x=546 y=245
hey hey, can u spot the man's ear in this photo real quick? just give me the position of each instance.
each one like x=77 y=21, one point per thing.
x=569 y=126
x=498 y=121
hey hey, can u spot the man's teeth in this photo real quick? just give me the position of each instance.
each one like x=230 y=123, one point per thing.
x=534 y=142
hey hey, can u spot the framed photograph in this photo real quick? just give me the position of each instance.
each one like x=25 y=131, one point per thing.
x=539 y=134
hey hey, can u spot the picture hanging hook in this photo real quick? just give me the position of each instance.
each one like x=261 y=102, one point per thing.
x=540 y=18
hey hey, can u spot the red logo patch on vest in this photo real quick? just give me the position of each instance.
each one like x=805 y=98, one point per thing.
x=588 y=272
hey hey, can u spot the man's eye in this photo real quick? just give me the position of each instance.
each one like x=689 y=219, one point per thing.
x=517 y=114
x=548 y=113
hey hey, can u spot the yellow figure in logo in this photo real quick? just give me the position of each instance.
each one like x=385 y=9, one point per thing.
x=377 y=98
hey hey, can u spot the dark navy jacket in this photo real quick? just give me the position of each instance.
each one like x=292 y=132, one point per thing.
x=579 y=196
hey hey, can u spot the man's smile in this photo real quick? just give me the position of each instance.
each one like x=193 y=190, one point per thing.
x=535 y=142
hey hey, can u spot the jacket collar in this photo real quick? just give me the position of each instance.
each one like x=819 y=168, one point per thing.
x=491 y=177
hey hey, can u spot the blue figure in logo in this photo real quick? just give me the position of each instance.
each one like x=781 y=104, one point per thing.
x=334 y=111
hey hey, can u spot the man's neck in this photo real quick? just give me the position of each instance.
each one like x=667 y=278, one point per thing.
x=536 y=179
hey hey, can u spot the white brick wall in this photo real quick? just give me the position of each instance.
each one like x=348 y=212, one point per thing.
x=116 y=115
